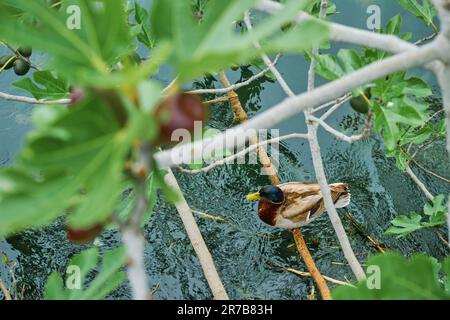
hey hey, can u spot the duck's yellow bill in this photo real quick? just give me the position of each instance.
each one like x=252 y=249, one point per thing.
x=253 y=196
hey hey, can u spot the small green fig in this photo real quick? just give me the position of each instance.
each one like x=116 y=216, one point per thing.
x=359 y=103
x=21 y=67
x=25 y=51
x=8 y=61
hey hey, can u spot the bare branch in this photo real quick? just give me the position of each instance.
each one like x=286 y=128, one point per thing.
x=243 y=152
x=338 y=134
x=10 y=97
x=199 y=245
x=341 y=33
x=329 y=279
x=5 y=291
x=336 y=106
x=429 y=171
x=237 y=85
x=291 y=106
x=134 y=243
x=419 y=183
x=320 y=172
x=425 y=39
x=267 y=61
x=132 y=236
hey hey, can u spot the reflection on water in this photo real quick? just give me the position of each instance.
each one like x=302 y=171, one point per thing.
x=250 y=256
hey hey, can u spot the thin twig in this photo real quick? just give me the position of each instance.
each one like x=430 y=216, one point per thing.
x=10 y=97
x=236 y=86
x=291 y=106
x=425 y=39
x=329 y=279
x=419 y=183
x=217 y=100
x=338 y=134
x=197 y=241
x=266 y=59
x=429 y=171
x=337 y=104
x=243 y=152
x=5 y=291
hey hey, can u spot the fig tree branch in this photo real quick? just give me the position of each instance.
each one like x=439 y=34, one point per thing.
x=238 y=85
x=243 y=152
x=267 y=61
x=197 y=241
x=5 y=291
x=338 y=134
x=241 y=115
x=419 y=183
x=341 y=33
x=337 y=104
x=292 y=106
x=10 y=97
x=132 y=235
x=320 y=172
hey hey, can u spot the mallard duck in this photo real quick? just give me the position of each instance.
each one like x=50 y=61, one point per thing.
x=295 y=204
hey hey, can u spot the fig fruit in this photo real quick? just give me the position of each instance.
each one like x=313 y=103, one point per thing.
x=179 y=111
x=5 y=60
x=359 y=103
x=76 y=95
x=21 y=67
x=83 y=236
x=25 y=51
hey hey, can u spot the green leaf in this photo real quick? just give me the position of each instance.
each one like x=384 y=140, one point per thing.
x=394 y=24
x=417 y=87
x=446 y=269
x=436 y=211
x=400 y=279
x=332 y=68
x=426 y=12
x=328 y=67
x=82 y=54
x=106 y=281
x=402 y=111
x=54 y=289
x=212 y=44
x=403 y=225
x=75 y=157
x=45 y=85
x=349 y=60
x=127 y=204
x=143 y=19
x=24 y=198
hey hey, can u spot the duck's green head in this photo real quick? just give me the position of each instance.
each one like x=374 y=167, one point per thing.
x=270 y=192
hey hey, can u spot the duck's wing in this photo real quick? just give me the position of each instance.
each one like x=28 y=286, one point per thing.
x=300 y=199
x=304 y=201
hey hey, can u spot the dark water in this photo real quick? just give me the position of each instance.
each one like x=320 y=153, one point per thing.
x=249 y=255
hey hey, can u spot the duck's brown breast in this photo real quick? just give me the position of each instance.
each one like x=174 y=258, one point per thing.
x=268 y=211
